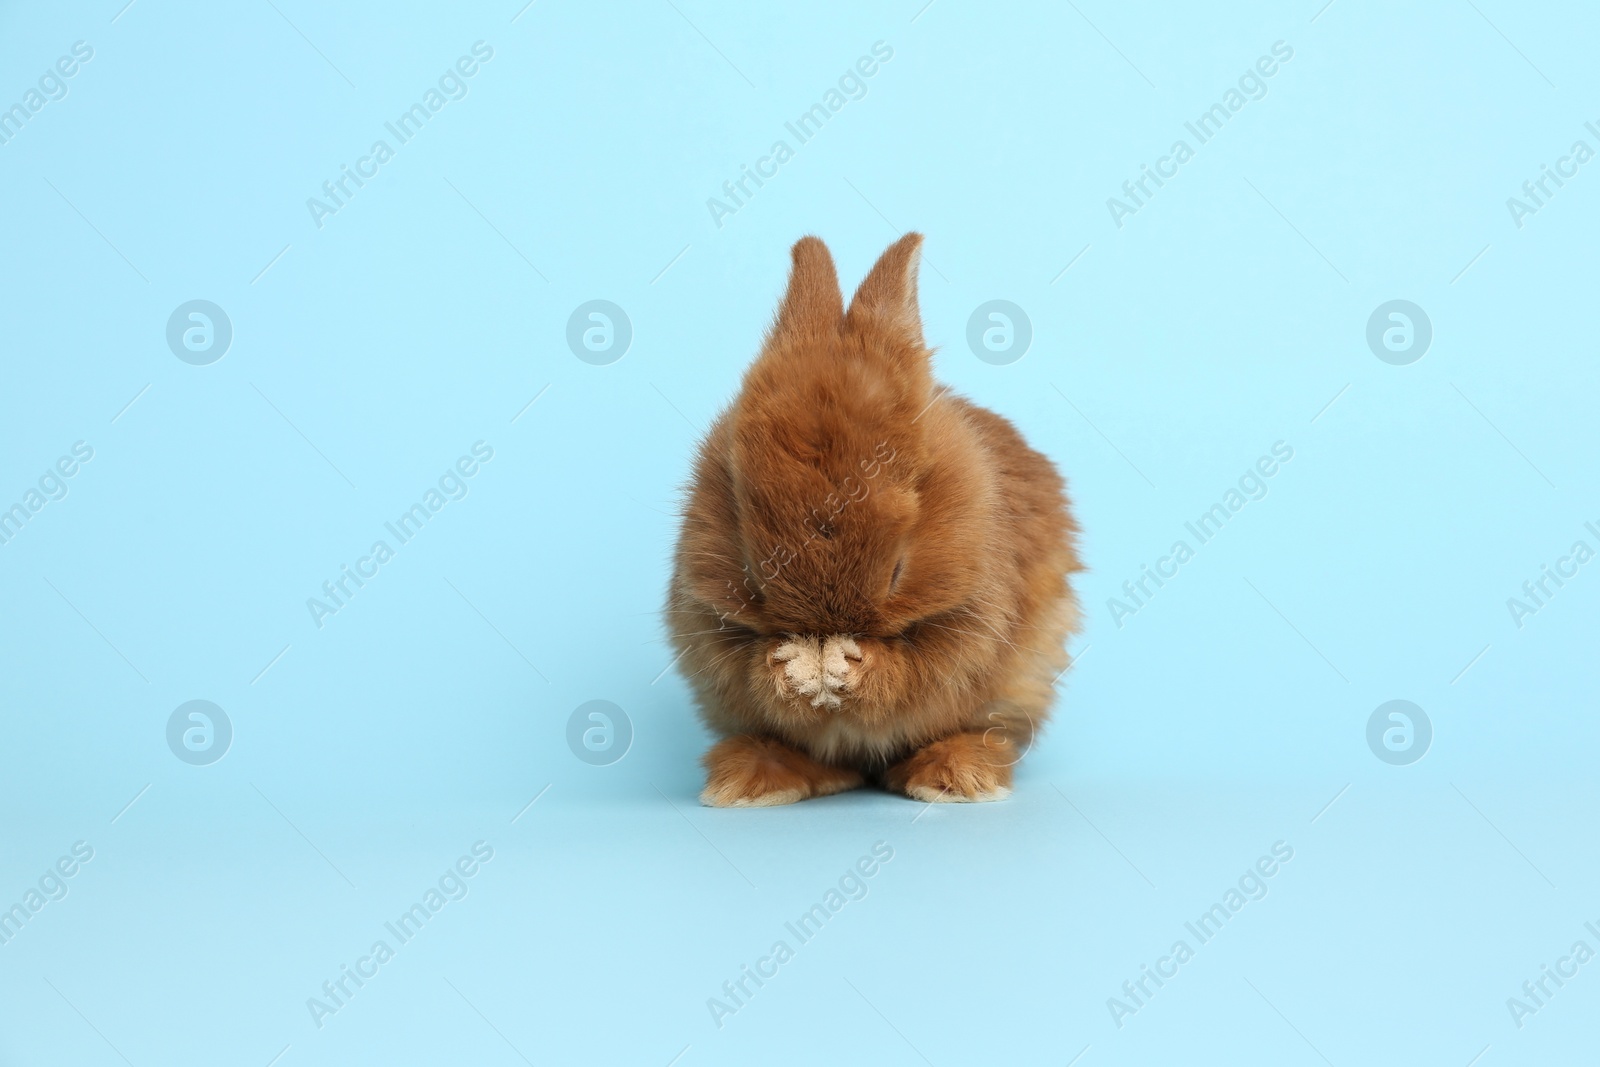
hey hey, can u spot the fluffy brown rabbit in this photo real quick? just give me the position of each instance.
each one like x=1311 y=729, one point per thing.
x=871 y=580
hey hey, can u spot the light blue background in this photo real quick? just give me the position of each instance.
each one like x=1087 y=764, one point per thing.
x=369 y=354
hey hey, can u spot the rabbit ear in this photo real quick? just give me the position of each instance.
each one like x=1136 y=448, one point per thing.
x=888 y=295
x=813 y=303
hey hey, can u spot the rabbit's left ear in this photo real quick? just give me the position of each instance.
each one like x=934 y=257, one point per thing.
x=888 y=296
x=812 y=304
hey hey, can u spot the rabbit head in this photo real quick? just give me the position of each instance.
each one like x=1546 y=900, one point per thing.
x=853 y=498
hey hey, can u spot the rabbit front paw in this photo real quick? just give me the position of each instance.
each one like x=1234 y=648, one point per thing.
x=821 y=670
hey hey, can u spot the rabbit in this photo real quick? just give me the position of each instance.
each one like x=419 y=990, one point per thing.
x=872 y=577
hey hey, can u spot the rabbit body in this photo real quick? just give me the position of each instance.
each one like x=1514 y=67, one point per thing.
x=872 y=575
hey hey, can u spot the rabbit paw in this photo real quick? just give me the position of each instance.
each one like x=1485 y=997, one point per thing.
x=754 y=772
x=822 y=670
x=954 y=769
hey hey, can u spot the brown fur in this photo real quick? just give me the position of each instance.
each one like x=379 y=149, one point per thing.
x=872 y=575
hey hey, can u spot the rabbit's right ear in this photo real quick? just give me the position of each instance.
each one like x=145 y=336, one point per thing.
x=887 y=299
x=813 y=305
